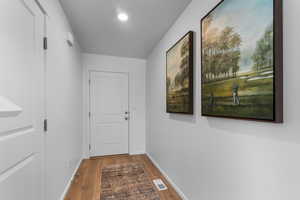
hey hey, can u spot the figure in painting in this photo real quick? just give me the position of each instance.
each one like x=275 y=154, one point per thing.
x=235 y=94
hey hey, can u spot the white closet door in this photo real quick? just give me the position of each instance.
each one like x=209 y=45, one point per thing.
x=21 y=99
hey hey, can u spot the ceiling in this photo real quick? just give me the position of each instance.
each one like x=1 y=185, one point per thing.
x=99 y=31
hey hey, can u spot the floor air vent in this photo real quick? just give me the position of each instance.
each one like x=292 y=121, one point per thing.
x=160 y=184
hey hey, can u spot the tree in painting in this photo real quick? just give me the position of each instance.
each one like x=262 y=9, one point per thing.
x=263 y=55
x=237 y=60
x=178 y=77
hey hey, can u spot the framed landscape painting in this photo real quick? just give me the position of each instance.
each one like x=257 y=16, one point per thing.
x=241 y=51
x=179 y=76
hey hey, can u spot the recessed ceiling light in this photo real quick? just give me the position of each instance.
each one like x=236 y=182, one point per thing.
x=123 y=17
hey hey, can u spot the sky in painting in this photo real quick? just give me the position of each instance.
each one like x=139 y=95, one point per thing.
x=249 y=18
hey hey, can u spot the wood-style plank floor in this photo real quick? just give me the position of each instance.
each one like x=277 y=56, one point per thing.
x=87 y=181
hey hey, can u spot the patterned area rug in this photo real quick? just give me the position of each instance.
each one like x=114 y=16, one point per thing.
x=127 y=182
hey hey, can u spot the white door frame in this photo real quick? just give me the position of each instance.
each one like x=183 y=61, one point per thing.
x=89 y=106
x=43 y=7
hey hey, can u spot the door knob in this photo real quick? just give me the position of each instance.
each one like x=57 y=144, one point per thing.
x=126 y=112
x=126 y=118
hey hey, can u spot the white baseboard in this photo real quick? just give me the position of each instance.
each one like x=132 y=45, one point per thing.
x=178 y=190
x=70 y=180
x=137 y=153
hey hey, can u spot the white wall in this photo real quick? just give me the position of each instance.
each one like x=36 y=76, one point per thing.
x=64 y=104
x=213 y=159
x=136 y=69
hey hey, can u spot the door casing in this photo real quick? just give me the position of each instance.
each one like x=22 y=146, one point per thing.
x=89 y=106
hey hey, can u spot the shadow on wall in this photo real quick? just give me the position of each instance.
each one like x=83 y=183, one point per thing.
x=183 y=118
x=276 y=132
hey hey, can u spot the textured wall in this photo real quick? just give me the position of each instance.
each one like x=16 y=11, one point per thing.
x=213 y=159
x=63 y=149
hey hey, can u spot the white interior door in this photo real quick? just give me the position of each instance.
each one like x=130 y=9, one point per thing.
x=109 y=113
x=21 y=100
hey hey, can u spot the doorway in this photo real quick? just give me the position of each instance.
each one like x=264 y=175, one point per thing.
x=109 y=113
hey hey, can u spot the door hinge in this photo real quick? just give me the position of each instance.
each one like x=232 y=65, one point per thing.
x=45 y=125
x=89 y=82
x=90 y=114
x=90 y=147
x=45 y=43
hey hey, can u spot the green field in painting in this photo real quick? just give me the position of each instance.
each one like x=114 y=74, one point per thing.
x=255 y=93
x=178 y=101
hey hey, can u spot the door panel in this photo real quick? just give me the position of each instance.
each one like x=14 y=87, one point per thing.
x=20 y=182
x=109 y=104
x=21 y=82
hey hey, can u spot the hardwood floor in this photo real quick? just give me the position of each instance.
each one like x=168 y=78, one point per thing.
x=87 y=182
